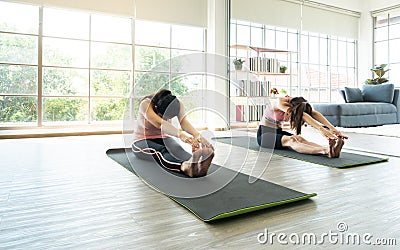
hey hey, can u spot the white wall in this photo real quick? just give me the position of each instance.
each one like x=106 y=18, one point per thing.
x=217 y=64
x=365 y=44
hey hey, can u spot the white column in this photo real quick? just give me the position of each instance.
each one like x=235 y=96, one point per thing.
x=365 y=45
x=217 y=33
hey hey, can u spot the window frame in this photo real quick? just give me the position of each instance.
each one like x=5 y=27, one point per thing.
x=386 y=42
x=90 y=97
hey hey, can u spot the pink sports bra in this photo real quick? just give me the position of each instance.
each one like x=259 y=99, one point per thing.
x=275 y=116
x=146 y=130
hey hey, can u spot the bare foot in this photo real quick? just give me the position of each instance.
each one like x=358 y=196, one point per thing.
x=205 y=163
x=331 y=153
x=338 y=147
x=190 y=167
x=198 y=165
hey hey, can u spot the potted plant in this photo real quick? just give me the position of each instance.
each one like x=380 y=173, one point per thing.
x=274 y=91
x=379 y=70
x=282 y=69
x=238 y=62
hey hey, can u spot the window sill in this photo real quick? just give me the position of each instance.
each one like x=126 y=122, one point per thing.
x=60 y=131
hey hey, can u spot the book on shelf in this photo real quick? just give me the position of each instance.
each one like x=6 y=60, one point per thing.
x=254 y=83
x=239 y=113
x=253 y=88
x=264 y=64
x=256 y=112
x=253 y=112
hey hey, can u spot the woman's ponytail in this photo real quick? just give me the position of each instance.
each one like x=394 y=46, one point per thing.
x=298 y=106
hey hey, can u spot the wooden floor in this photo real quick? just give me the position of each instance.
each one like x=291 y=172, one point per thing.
x=65 y=193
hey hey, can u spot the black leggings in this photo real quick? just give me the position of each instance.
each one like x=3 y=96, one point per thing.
x=268 y=137
x=165 y=151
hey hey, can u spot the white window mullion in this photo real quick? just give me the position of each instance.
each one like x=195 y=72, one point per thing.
x=40 y=71
x=132 y=78
x=89 y=118
x=170 y=58
x=388 y=40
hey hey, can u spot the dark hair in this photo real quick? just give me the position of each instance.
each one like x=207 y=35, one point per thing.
x=298 y=106
x=165 y=104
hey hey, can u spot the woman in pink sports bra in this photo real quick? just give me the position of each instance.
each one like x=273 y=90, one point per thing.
x=153 y=136
x=297 y=111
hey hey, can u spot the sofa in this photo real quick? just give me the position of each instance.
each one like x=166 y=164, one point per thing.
x=373 y=105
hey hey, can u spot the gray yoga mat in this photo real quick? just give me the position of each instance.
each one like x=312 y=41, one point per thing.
x=237 y=196
x=345 y=160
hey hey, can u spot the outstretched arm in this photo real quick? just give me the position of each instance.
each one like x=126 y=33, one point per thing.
x=316 y=124
x=284 y=105
x=320 y=118
x=146 y=109
x=185 y=124
x=188 y=127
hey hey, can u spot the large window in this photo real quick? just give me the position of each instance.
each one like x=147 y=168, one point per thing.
x=18 y=63
x=327 y=64
x=86 y=75
x=387 y=45
x=161 y=51
x=321 y=64
x=159 y=56
x=80 y=68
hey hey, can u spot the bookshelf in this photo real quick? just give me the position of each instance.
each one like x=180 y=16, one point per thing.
x=250 y=87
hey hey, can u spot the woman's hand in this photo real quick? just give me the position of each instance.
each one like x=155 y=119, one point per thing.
x=189 y=140
x=327 y=133
x=195 y=144
x=184 y=137
x=339 y=134
x=203 y=141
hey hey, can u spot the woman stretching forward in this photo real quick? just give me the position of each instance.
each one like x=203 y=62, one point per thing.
x=154 y=132
x=297 y=111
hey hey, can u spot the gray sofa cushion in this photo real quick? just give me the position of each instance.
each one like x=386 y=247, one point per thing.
x=353 y=94
x=354 y=109
x=327 y=109
x=396 y=102
x=367 y=120
x=378 y=93
x=367 y=108
x=342 y=94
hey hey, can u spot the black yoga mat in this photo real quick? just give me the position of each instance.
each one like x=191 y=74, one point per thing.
x=345 y=159
x=236 y=195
